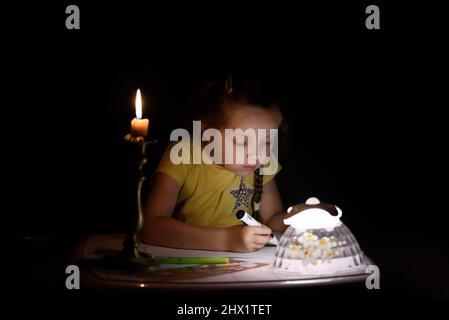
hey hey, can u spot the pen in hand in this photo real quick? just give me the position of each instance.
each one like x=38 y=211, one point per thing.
x=250 y=221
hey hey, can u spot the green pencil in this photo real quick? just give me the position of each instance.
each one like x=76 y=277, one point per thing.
x=199 y=260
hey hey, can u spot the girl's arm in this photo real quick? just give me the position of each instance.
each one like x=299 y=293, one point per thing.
x=271 y=211
x=160 y=228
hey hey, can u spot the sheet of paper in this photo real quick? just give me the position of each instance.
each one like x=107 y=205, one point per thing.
x=98 y=244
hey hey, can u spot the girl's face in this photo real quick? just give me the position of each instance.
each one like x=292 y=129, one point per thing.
x=248 y=147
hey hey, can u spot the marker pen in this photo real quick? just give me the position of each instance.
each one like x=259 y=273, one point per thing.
x=250 y=221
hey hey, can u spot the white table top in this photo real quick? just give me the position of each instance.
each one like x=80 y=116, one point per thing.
x=253 y=270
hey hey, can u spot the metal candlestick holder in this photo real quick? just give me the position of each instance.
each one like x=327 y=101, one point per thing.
x=129 y=258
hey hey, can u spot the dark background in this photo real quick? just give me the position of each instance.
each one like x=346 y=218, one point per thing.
x=363 y=133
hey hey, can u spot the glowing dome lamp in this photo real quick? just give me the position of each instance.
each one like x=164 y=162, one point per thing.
x=317 y=243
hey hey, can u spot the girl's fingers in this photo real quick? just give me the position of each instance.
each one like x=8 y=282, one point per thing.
x=261 y=240
x=261 y=230
x=257 y=247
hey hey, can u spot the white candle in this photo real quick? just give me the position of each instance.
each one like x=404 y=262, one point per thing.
x=139 y=126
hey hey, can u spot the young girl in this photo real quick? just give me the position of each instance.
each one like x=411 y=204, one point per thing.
x=193 y=206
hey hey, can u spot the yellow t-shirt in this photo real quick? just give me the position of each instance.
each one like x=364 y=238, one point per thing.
x=210 y=194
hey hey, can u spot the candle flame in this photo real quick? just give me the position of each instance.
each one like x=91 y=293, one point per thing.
x=138 y=105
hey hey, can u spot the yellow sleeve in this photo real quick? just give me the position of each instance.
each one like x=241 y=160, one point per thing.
x=178 y=172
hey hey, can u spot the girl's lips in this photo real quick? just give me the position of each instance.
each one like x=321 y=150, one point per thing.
x=249 y=168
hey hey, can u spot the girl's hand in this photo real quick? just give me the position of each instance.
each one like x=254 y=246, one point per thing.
x=247 y=239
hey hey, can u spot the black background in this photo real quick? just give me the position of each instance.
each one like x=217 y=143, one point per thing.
x=361 y=106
